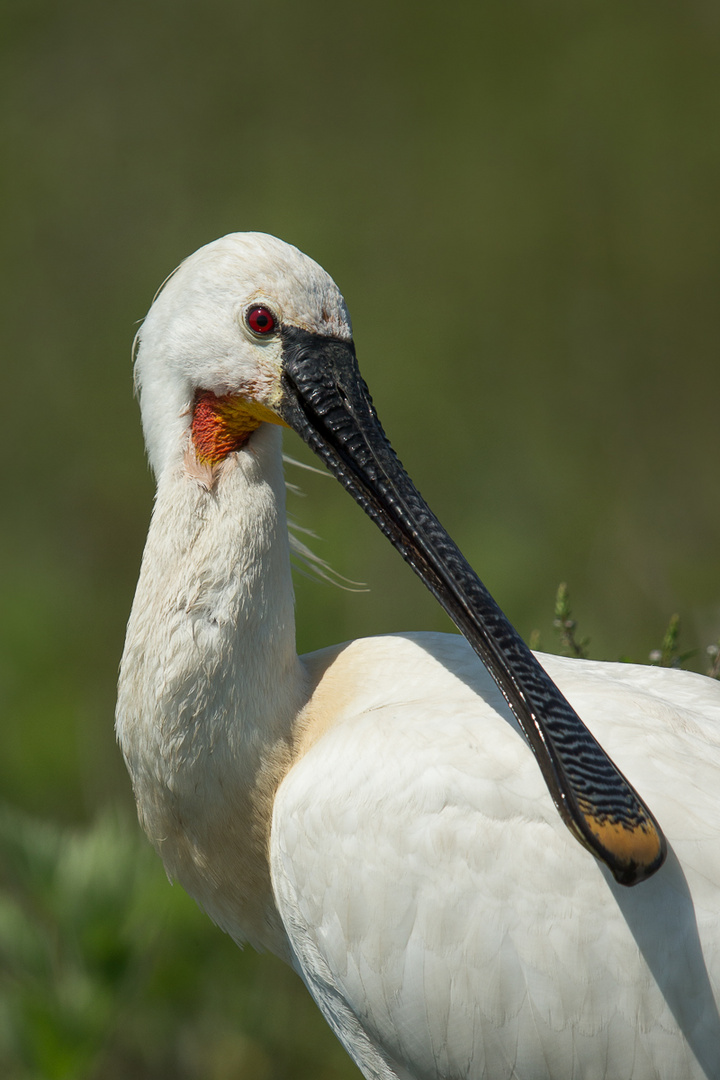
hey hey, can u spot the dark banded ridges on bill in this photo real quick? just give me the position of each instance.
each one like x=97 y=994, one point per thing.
x=327 y=402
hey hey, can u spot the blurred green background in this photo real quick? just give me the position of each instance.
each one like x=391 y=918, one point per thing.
x=521 y=203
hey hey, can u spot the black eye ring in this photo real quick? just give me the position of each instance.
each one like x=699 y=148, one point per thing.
x=260 y=320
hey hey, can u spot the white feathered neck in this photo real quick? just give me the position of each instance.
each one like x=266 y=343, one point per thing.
x=211 y=685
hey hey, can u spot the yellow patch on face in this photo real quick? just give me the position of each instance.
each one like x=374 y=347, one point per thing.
x=222 y=425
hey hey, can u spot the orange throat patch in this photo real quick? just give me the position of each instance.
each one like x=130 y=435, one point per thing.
x=222 y=425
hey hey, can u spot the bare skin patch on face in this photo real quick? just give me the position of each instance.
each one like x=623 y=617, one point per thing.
x=221 y=425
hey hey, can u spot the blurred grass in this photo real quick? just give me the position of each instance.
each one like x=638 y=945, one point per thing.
x=105 y=971
x=520 y=204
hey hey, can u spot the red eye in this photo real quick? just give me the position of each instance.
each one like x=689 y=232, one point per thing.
x=260 y=320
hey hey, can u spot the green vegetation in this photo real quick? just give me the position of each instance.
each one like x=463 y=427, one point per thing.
x=566 y=626
x=520 y=204
x=107 y=972
x=668 y=655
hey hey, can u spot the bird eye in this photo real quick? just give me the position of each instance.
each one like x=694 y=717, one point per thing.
x=260 y=320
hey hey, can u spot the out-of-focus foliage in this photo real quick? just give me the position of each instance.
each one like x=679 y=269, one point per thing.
x=520 y=202
x=107 y=972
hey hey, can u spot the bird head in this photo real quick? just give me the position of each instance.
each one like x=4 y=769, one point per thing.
x=212 y=350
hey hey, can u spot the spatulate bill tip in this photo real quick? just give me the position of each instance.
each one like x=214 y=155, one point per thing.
x=632 y=852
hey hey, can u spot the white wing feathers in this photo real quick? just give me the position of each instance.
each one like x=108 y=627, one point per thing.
x=439 y=909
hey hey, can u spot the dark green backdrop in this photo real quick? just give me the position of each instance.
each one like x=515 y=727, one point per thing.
x=521 y=203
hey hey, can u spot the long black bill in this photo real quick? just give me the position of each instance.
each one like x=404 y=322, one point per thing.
x=328 y=404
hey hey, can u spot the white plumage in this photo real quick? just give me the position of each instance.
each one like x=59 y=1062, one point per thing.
x=372 y=813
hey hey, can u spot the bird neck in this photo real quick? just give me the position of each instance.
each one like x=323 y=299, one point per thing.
x=210 y=681
x=216 y=573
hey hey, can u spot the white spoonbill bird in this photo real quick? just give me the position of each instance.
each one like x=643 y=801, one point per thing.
x=374 y=813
